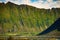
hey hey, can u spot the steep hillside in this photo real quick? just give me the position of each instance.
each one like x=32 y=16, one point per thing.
x=24 y=19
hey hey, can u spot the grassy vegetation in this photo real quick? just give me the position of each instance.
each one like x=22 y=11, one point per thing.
x=25 y=20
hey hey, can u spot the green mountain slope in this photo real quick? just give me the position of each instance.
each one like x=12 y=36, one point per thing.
x=24 y=19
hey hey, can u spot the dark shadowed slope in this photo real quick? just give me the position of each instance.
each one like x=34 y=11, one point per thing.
x=55 y=25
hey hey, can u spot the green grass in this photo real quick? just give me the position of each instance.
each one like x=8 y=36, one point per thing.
x=25 y=20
